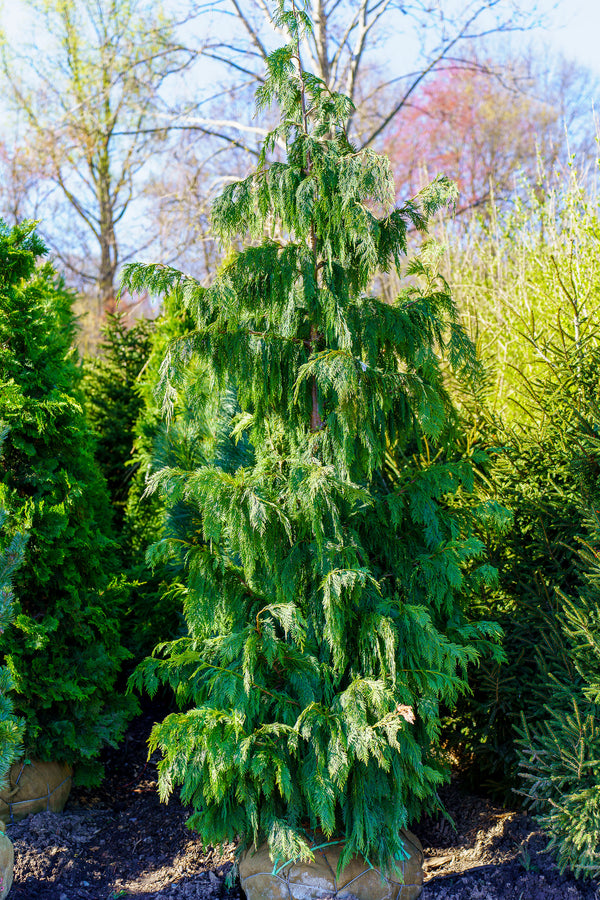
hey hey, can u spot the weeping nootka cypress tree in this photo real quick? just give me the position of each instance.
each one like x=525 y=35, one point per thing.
x=323 y=598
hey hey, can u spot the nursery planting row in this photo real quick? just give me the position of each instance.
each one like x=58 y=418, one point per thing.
x=348 y=534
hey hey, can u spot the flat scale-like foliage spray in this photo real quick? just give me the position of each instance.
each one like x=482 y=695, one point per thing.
x=323 y=596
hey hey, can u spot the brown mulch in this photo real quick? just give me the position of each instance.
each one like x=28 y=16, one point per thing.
x=493 y=853
x=119 y=841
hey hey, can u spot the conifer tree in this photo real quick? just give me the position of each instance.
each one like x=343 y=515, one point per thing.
x=64 y=650
x=113 y=402
x=144 y=514
x=323 y=597
x=11 y=727
x=559 y=749
x=559 y=526
x=116 y=402
x=154 y=608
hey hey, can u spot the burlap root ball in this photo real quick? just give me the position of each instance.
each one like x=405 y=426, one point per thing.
x=7 y=859
x=35 y=786
x=291 y=880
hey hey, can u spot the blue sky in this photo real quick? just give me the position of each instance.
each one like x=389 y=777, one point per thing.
x=574 y=26
x=575 y=30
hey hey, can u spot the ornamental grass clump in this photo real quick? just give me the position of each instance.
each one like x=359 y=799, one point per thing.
x=324 y=565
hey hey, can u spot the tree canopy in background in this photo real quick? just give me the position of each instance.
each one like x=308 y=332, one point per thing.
x=102 y=89
x=85 y=90
x=492 y=122
x=354 y=48
x=346 y=46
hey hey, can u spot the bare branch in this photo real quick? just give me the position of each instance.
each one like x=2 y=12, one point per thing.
x=234 y=65
x=251 y=31
x=195 y=127
x=434 y=62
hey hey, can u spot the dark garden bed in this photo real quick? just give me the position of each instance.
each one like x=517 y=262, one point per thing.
x=119 y=841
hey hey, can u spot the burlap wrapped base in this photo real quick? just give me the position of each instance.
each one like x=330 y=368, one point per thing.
x=261 y=880
x=7 y=858
x=35 y=786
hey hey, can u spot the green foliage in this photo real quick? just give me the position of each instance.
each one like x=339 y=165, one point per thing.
x=154 y=609
x=63 y=650
x=144 y=514
x=129 y=432
x=560 y=746
x=534 y=475
x=519 y=269
x=558 y=756
x=527 y=280
x=324 y=553
x=113 y=403
x=11 y=727
x=533 y=722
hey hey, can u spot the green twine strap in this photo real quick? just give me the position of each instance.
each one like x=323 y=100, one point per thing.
x=276 y=870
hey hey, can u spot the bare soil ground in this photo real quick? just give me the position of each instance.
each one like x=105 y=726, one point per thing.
x=494 y=854
x=119 y=841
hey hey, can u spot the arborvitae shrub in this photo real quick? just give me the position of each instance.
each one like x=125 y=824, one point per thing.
x=63 y=650
x=323 y=598
x=11 y=727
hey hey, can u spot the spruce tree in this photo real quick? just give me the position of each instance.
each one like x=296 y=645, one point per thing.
x=559 y=743
x=323 y=596
x=64 y=650
x=113 y=403
x=559 y=748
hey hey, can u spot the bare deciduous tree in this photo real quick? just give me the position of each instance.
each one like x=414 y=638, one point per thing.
x=85 y=88
x=486 y=131
x=352 y=48
x=346 y=46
